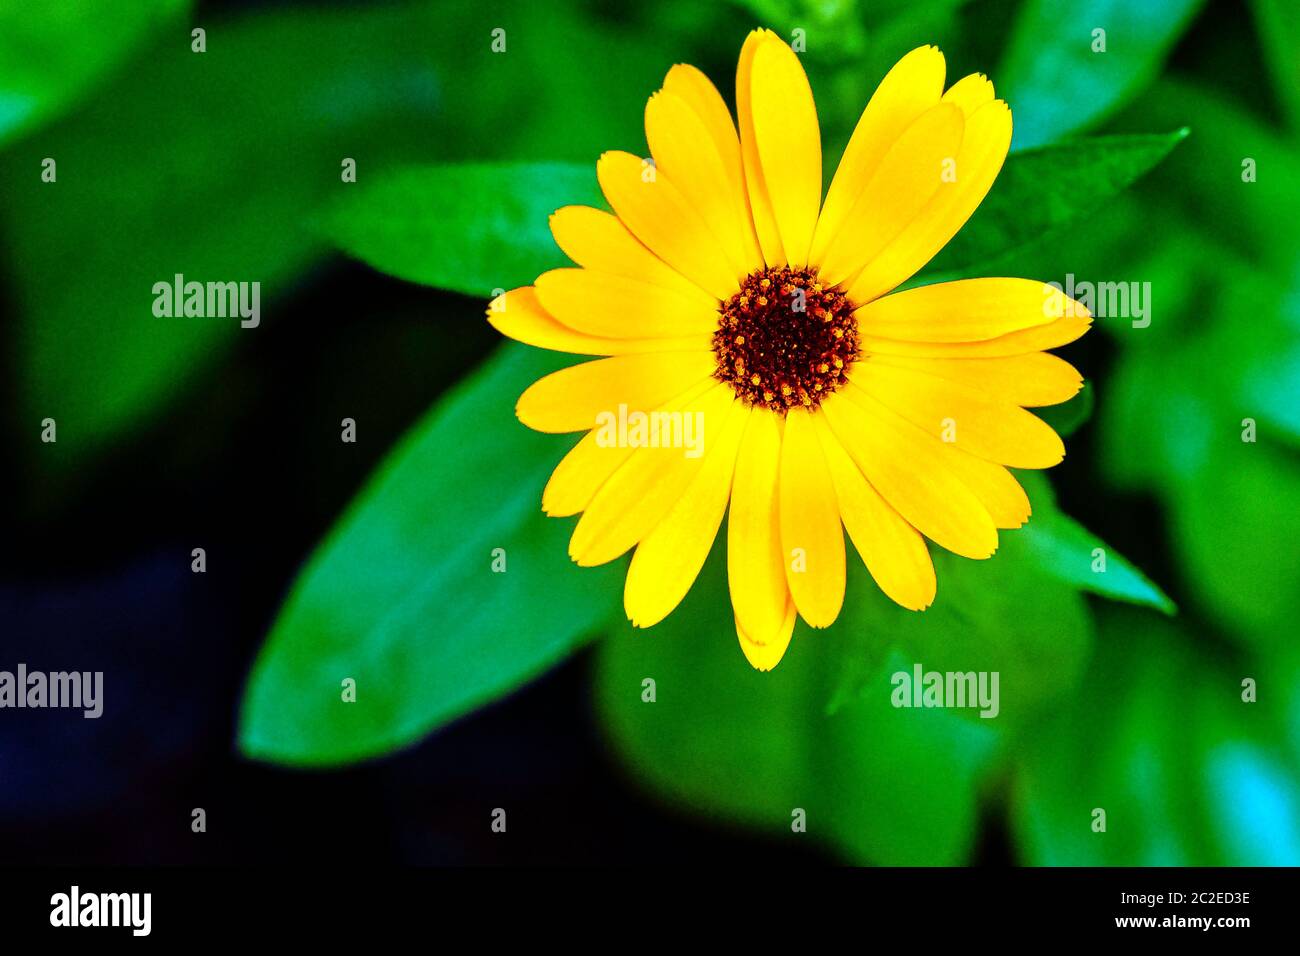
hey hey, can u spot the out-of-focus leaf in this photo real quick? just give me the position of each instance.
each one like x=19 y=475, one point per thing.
x=1068 y=417
x=1184 y=402
x=1278 y=25
x=1160 y=739
x=1039 y=191
x=744 y=747
x=1231 y=517
x=1055 y=82
x=1235 y=524
x=1018 y=613
x=1234 y=177
x=52 y=55
x=402 y=596
x=1071 y=553
x=1004 y=614
x=201 y=164
x=833 y=29
x=212 y=165
x=472 y=228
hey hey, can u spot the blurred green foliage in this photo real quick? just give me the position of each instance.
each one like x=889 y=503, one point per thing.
x=1058 y=83
x=431 y=225
x=213 y=165
x=226 y=165
x=49 y=60
x=741 y=747
x=1158 y=737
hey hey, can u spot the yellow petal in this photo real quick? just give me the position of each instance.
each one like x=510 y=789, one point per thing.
x=645 y=487
x=812 y=541
x=911 y=88
x=576 y=398
x=1032 y=379
x=667 y=561
x=904 y=183
x=760 y=203
x=788 y=142
x=893 y=551
x=755 y=565
x=1048 y=336
x=698 y=91
x=902 y=464
x=961 y=416
x=590 y=463
x=704 y=99
x=765 y=653
x=967 y=310
x=994 y=486
x=595 y=239
x=970 y=92
x=518 y=314
x=657 y=213
x=984 y=147
x=684 y=151
x=610 y=306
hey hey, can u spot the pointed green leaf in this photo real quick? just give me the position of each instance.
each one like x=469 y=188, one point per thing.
x=1040 y=191
x=1071 y=553
x=410 y=597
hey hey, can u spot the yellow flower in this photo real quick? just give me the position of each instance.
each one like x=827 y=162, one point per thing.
x=757 y=359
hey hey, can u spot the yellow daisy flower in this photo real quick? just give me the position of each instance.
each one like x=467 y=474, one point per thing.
x=727 y=295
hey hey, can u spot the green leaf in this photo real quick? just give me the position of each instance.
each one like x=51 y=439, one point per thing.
x=1040 y=191
x=1006 y=614
x=1233 y=178
x=1018 y=613
x=51 y=57
x=402 y=596
x=1054 y=81
x=1159 y=738
x=877 y=784
x=1067 y=551
x=471 y=228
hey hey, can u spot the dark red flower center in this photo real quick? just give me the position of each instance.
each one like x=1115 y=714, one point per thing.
x=785 y=339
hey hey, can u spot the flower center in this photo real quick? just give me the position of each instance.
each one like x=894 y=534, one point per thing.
x=785 y=339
